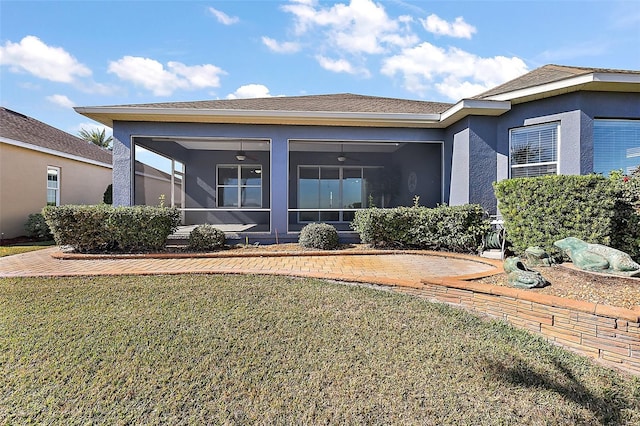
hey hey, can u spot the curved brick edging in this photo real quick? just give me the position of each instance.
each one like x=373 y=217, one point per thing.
x=607 y=333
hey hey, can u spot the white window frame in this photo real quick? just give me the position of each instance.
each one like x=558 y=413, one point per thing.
x=57 y=186
x=536 y=128
x=240 y=186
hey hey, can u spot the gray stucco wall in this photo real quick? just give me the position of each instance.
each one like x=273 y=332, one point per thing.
x=476 y=149
x=279 y=137
x=479 y=146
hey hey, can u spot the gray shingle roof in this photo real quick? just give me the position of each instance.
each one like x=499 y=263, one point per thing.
x=546 y=74
x=343 y=102
x=20 y=127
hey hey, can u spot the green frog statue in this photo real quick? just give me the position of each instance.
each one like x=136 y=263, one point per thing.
x=518 y=275
x=598 y=257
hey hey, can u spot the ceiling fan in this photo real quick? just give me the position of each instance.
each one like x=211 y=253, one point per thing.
x=241 y=155
x=342 y=157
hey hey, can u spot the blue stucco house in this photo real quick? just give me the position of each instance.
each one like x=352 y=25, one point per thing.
x=266 y=167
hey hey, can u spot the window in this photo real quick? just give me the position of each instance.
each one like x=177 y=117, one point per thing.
x=240 y=186
x=53 y=186
x=334 y=188
x=534 y=150
x=616 y=146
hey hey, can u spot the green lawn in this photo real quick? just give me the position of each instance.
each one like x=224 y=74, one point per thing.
x=17 y=249
x=197 y=349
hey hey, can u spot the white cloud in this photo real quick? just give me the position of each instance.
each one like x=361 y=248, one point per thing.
x=61 y=100
x=453 y=72
x=361 y=26
x=340 y=65
x=223 y=18
x=250 y=91
x=162 y=81
x=43 y=61
x=459 y=28
x=281 y=47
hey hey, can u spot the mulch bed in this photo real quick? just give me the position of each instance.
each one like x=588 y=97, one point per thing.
x=580 y=285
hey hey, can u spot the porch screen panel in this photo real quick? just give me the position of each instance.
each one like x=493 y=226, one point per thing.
x=309 y=192
x=329 y=193
x=352 y=189
x=251 y=186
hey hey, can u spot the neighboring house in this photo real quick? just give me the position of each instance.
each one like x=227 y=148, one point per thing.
x=272 y=165
x=41 y=165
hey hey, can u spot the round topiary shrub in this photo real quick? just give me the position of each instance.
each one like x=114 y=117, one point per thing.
x=206 y=238
x=319 y=236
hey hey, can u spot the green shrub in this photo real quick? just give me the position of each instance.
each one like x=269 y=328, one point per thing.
x=104 y=228
x=82 y=227
x=142 y=228
x=541 y=210
x=206 y=238
x=107 y=197
x=36 y=227
x=451 y=228
x=319 y=236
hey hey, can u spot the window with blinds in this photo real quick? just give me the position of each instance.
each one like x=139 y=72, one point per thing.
x=616 y=146
x=534 y=150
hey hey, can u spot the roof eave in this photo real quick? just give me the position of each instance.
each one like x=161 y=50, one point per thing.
x=107 y=115
x=596 y=81
x=468 y=107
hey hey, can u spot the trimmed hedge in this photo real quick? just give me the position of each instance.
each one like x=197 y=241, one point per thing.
x=206 y=238
x=538 y=211
x=103 y=228
x=319 y=236
x=36 y=227
x=450 y=228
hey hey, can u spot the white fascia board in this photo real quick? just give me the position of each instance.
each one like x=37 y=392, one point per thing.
x=543 y=88
x=474 y=107
x=608 y=77
x=562 y=86
x=106 y=115
x=50 y=151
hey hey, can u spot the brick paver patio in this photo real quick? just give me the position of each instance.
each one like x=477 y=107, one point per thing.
x=402 y=268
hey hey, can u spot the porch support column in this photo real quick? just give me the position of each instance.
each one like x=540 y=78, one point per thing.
x=122 y=177
x=279 y=184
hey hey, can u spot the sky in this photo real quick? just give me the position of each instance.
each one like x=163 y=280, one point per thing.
x=55 y=55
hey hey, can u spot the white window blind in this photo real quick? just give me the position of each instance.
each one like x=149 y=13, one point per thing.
x=534 y=150
x=616 y=146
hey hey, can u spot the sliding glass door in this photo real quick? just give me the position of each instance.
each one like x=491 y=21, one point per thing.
x=331 y=193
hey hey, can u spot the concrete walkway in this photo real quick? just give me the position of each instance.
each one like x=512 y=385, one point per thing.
x=405 y=269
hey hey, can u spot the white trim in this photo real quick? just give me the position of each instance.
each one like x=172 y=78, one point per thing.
x=58 y=172
x=106 y=115
x=467 y=107
x=238 y=168
x=557 y=163
x=618 y=77
x=581 y=82
x=53 y=152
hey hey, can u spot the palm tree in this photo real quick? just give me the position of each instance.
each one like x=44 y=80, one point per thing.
x=96 y=137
